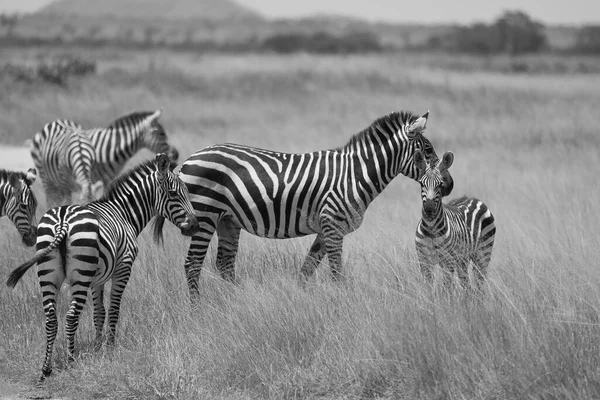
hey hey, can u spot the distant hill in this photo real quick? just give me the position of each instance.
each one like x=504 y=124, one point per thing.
x=212 y=10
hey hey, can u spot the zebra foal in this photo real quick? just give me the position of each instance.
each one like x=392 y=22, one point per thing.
x=91 y=244
x=18 y=202
x=453 y=234
x=280 y=195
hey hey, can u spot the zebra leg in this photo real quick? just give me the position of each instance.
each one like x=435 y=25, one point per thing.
x=119 y=282
x=228 y=234
x=99 y=312
x=195 y=258
x=51 y=276
x=78 y=299
x=333 y=246
x=313 y=258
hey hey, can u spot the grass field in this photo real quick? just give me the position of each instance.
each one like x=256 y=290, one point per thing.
x=527 y=145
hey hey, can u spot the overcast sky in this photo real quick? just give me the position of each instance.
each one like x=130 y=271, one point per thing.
x=428 y=11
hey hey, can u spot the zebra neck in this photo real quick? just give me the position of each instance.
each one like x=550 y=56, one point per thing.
x=435 y=226
x=372 y=168
x=135 y=204
x=4 y=193
x=126 y=141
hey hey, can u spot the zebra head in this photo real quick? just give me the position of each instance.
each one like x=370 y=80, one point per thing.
x=155 y=138
x=413 y=131
x=431 y=180
x=21 y=205
x=172 y=200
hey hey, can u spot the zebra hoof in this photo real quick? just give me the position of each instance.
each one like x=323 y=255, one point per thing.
x=45 y=373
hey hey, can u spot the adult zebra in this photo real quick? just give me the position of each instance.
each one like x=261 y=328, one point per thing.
x=111 y=148
x=123 y=138
x=279 y=195
x=63 y=156
x=453 y=234
x=96 y=242
x=18 y=202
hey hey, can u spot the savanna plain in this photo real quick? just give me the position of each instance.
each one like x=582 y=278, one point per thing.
x=526 y=144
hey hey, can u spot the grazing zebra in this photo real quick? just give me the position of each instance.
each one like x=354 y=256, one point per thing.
x=18 y=202
x=453 y=234
x=280 y=195
x=90 y=244
x=63 y=156
x=112 y=147
x=123 y=138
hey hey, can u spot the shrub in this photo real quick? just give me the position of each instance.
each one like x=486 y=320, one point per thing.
x=588 y=39
x=322 y=42
x=56 y=70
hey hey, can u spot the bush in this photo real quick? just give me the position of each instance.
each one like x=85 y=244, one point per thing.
x=56 y=70
x=514 y=32
x=322 y=42
x=588 y=39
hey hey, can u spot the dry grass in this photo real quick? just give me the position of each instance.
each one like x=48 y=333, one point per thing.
x=529 y=148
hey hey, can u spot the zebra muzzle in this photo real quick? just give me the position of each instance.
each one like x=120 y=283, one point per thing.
x=189 y=226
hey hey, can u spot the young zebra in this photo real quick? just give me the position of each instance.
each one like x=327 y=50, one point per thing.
x=18 y=202
x=90 y=244
x=111 y=148
x=63 y=156
x=453 y=234
x=280 y=195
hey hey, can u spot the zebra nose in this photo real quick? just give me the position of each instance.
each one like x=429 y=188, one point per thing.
x=190 y=226
x=429 y=206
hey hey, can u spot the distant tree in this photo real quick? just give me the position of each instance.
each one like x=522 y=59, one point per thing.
x=150 y=32
x=588 y=39
x=514 y=32
x=9 y=22
x=67 y=31
x=93 y=32
x=518 y=33
x=190 y=33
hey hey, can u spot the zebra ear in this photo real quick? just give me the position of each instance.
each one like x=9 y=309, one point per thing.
x=162 y=163
x=419 y=160
x=419 y=125
x=15 y=181
x=31 y=176
x=156 y=114
x=447 y=161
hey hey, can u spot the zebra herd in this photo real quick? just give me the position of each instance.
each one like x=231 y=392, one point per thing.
x=221 y=189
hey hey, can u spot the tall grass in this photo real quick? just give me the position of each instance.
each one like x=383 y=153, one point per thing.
x=528 y=148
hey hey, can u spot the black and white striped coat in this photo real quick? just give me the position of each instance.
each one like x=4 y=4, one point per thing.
x=280 y=195
x=453 y=234
x=91 y=244
x=18 y=202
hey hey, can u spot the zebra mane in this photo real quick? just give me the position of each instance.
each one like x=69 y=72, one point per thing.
x=134 y=116
x=395 y=119
x=147 y=166
x=458 y=200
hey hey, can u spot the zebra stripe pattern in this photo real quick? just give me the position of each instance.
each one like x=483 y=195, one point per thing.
x=90 y=244
x=63 y=156
x=123 y=138
x=280 y=195
x=18 y=202
x=454 y=234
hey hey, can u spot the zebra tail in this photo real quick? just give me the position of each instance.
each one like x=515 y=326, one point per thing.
x=157 y=226
x=18 y=272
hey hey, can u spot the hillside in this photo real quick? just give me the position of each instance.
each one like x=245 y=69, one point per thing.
x=213 y=10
